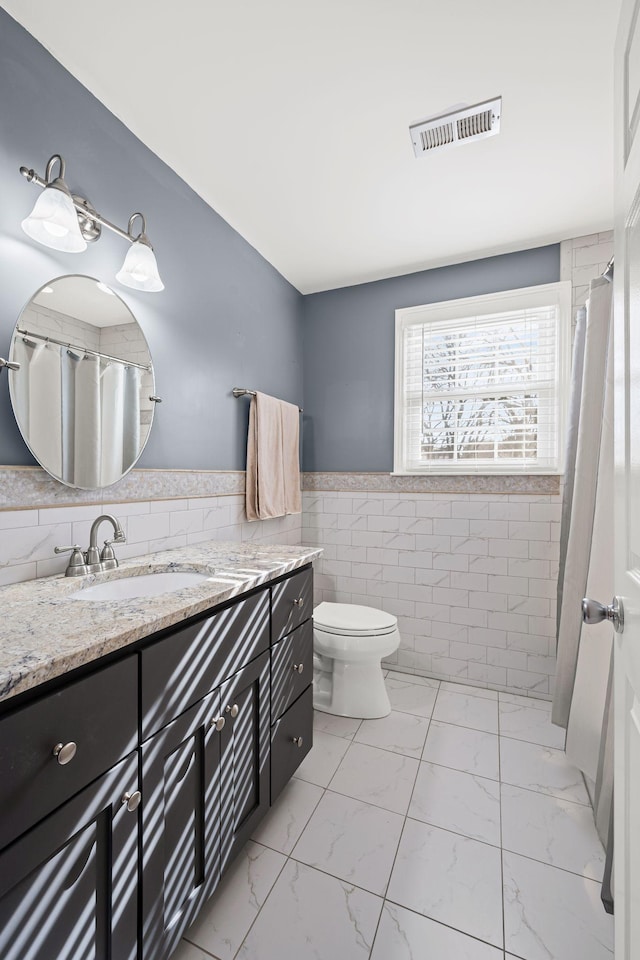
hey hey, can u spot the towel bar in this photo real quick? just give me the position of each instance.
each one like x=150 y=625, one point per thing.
x=243 y=392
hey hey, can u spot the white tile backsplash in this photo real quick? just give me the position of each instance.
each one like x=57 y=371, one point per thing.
x=27 y=537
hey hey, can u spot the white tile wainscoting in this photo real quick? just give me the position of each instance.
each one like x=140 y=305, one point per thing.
x=471 y=576
x=28 y=535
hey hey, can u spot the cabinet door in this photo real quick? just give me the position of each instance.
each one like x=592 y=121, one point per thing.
x=69 y=886
x=180 y=825
x=245 y=755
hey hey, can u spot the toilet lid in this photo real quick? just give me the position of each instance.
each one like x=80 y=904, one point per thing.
x=349 y=618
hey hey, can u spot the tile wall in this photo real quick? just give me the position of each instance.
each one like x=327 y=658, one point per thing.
x=28 y=536
x=471 y=577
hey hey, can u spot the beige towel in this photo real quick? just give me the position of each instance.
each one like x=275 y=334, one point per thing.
x=273 y=462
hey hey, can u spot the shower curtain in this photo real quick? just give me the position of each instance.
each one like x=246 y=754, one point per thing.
x=81 y=415
x=582 y=693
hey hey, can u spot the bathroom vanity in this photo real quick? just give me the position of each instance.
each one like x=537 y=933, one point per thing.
x=129 y=782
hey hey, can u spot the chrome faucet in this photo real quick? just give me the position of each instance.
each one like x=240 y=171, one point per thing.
x=92 y=561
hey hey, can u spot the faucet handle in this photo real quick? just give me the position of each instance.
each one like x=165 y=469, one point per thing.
x=108 y=558
x=77 y=566
x=76 y=546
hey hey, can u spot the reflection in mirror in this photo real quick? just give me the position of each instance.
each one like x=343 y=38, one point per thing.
x=82 y=394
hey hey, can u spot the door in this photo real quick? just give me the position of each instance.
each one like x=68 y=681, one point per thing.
x=69 y=886
x=180 y=824
x=627 y=471
x=245 y=706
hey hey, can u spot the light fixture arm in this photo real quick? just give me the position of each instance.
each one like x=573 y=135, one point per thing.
x=82 y=206
x=142 y=236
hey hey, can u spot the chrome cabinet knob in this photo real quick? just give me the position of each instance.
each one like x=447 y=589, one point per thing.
x=298 y=667
x=65 y=752
x=299 y=602
x=595 y=612
x=132 y=800
x=298 y=741
x=233 y=710
x=218 y=723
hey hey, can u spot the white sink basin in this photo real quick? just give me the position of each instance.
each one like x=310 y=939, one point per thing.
x=146 y=585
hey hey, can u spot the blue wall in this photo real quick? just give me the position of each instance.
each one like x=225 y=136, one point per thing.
x=226 y=318
x=348 y=352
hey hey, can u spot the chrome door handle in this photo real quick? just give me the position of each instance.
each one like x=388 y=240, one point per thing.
x=233 y=710
x=218 y=723
x=594 y=612
x=298 y=667
x=298 y=741
x=299 y=602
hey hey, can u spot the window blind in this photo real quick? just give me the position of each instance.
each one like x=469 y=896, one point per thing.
x=482 y=391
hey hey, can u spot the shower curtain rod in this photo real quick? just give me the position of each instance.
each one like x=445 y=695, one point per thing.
x=85 y=350
x=243 y=392
x=608 y=273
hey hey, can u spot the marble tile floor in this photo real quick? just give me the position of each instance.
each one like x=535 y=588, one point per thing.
x=454 y=829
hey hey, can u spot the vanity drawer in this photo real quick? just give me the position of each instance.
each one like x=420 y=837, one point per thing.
x=184 y=666
x=291 y=741
x=291 y=668
x=99 y=713
x=291 y=603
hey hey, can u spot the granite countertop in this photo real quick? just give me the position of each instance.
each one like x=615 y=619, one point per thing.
x=45 y=633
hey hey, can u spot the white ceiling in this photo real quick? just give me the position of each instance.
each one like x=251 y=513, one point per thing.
x=291 y=119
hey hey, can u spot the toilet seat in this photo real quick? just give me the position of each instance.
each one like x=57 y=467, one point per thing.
x=352 y=620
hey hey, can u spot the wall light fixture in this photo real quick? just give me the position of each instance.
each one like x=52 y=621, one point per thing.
x=66 y=222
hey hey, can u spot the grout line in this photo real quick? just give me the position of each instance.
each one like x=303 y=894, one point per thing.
x=541 y=793
x=395 y=857
x=185 y=939
x=554 y=866
x=447 y=925
x=275 y=880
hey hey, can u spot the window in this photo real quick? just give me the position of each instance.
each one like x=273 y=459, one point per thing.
x=481 y=383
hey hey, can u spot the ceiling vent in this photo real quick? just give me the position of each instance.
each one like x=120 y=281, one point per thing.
x=461 y=126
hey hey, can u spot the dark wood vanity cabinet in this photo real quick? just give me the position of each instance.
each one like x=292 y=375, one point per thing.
x=207 y=720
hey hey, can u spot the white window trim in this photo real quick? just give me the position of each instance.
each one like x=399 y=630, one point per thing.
x=541 y=295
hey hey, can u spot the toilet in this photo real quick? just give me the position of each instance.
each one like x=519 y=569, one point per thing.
x=349 y=641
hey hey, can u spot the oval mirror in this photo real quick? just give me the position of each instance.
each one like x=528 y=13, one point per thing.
x=82 y=394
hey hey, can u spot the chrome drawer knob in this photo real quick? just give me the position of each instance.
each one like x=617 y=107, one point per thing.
x=298 y=741
x=233 y=710
x=299 y=602
x=65 y=752
x=298 y=667
x=218 y=723
x=132 y=800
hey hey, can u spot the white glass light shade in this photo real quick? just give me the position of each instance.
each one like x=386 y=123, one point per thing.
x=54 y=222
x=140 y=270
